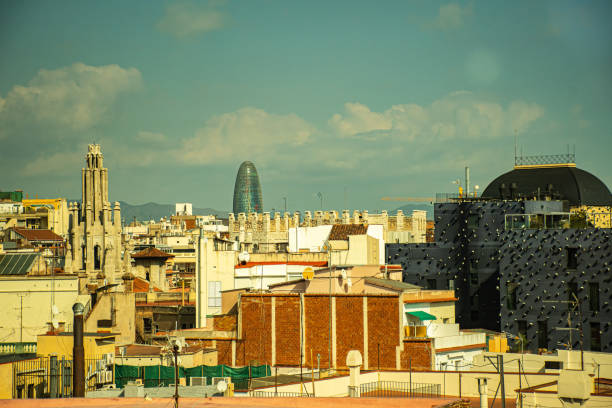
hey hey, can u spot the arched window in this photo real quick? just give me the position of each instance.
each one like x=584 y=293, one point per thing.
x=97 y=257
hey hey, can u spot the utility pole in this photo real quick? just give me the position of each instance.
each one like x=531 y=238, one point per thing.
x=500 y=363
x=176 y=372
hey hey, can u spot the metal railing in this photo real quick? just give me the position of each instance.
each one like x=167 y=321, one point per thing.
x=399 y=389
x=272 y=394
x=544 y=159
x=43 y=377
x=558 y=221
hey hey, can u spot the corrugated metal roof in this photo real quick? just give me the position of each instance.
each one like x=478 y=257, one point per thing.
x=16 y=264
x=391 y=284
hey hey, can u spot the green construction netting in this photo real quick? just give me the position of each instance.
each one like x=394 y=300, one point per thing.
x=154 y=376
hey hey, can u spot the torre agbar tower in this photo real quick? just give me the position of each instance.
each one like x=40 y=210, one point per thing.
x=94 y=242
x=247 y=190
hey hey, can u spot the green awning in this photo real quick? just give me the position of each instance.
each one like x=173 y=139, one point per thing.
x=421 y=315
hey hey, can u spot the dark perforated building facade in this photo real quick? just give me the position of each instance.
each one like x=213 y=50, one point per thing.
x=519 y=277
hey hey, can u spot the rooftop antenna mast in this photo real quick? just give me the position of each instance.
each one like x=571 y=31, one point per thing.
x=515 y=144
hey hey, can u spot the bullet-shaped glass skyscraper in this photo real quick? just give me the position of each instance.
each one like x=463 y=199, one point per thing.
x=247 y=190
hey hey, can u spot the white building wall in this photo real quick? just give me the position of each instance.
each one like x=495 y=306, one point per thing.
x=35 y=297
x=310 y=238
x=377 y=231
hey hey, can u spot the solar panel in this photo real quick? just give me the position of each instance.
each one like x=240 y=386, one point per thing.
x=16 y=264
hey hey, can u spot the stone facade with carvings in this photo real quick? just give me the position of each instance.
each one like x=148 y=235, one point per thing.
x=94 y=238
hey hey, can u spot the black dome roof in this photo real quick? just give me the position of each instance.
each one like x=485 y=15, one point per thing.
x=569 y=183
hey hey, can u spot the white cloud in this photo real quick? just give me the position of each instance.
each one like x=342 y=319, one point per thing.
x=248 y=132
x=460 y=115
x=72 y=98
x=185 y=19
x=62 y=163
x=451 y=16
x=522 y=114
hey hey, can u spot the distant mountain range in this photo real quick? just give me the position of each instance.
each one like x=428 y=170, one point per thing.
x=407 y=209
x=155 y=211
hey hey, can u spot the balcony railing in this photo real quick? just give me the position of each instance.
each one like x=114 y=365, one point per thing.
x=17 y=348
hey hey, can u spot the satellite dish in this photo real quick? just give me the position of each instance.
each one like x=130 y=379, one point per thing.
x=243 y=257
x=221 y=386
x=343 y=274
x=55 y=323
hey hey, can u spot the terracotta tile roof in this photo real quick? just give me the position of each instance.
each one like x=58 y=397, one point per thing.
x=152 y=253
x=321 y=264
x=141 y=285
x=177 y=302
x=38 y=234
x=340 y=232
x=132 y=350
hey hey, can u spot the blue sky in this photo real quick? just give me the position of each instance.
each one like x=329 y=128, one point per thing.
x=372 y=98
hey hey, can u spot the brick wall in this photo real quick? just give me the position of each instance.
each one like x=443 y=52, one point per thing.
x=317 y=329
x=225 y=322
x=224 y=352
x=420 y=351
x=383 y=330
x=288 y=330
x=240 y=353
x=256 y=328
x=349 y=327
x=256 y=342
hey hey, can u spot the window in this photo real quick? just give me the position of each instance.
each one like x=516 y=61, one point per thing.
x=553 y=365
x=542 y=334
x=472 y=221
x=97 y=257
x=473 y=272
x=474 y=277
x=572 y=258
x=214 y=294
x=572 y=290
x=594 y=296
x=511 y=295
x=595 y=337
x=432 y=284
x=147 y=325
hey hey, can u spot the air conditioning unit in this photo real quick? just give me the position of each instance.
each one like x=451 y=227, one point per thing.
x=215 y=380
x=197 y=381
